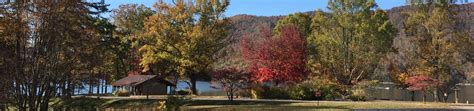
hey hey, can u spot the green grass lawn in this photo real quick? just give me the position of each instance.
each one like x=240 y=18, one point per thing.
x=306 y=105
x=88 y=103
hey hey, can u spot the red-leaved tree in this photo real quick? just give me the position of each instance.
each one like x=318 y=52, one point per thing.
x=277 y=59
x=420 y=83
x=231 y=80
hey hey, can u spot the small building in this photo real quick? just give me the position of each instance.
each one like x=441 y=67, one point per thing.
x=144 y=85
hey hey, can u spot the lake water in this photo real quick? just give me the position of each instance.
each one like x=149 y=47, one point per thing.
x=204 y=88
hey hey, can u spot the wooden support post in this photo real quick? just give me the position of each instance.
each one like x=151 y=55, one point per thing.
x=456 y=100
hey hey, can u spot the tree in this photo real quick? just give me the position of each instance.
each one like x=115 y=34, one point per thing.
x=186 y=35
x=6 y=58
x=43 y=46
x=397 y=71
x=277 y=59
x=231 y=80
x=102 y=58
x=130 y=18
x=303 y=22
x=129 y=21
x=351 y=40
x=300 y=20
x=420 y=83
x=437 y=45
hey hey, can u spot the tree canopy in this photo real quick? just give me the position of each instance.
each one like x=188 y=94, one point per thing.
x=351 y=40
x=186 y=35
x=278 y=59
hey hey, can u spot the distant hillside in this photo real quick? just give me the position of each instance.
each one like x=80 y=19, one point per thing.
x=241 y=25
x=465 y=13
x=250 y=25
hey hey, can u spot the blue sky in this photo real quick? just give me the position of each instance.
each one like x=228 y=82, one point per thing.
x=265 y=7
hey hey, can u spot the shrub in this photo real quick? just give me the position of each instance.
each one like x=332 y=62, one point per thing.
x=328 y=89
x=357 y=98
x=358 y=91
x=254 y=94
x=122 y=92
x=244 y=93
x=173 y=103
x=272 y=93
x=329 y=93
x=183 y=92
x=301 y=92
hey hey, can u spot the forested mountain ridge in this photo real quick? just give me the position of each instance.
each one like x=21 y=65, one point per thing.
x=465 y=13
x=250 y=25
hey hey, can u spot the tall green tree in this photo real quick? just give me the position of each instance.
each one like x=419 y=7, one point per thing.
x=129 y=25
x=351 y=40
x=438 y=44
x=187 y=35
x=301 y=20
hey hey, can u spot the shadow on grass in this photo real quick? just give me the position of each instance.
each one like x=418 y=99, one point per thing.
x=195 y=105
x=220 y=105
x=226 y=102
x=270 y=108
x=92 y=103
x=130 y=103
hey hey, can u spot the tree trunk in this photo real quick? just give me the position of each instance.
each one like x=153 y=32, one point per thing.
x=62 y=93
x=44 y=106
x=66 y=94
x=228 y=96
x=456 y=96
x=173 y=90
x=231 y=96
x=90 y=87
x=98 y=86
x=412 y=95
x=424 y=98
x=32 y=104
x=105 y=84
x=79 y=91
x=435 y=95
x=193 y=84
x=176 y=80
x=3 y=107
x=71 y=89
